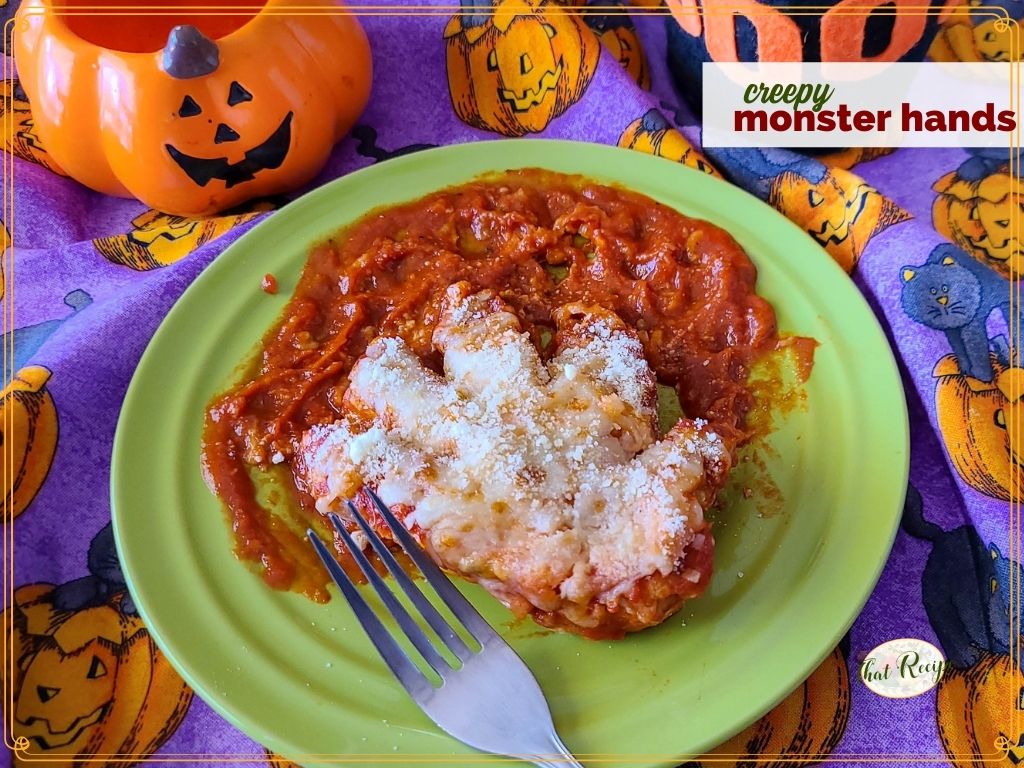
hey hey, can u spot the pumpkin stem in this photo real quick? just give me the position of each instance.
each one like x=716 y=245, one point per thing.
x=475 y=13
x=189 y=53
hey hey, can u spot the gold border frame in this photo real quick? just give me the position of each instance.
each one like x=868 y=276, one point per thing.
x=19 y=746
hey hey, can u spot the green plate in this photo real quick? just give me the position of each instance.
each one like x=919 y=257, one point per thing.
x=302 y=679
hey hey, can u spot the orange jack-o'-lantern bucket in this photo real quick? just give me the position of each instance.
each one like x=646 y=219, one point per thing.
x=191 y=113
x=765 y=30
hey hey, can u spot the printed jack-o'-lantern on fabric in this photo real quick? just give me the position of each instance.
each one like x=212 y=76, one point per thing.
x=837 y=208
x=801 y=730
x=978 y=31
x=515 y=65
x=618 y=34
x=158 y=239
x=840 y=211
x=28 y=432
x=88 y=682
x=978 y=215
x=89 y=685
x=653 y=134
x=975 y=710
x=973 y=416
x=187 y=122
x=21 y=139
x=967 y=587
x=757 y=30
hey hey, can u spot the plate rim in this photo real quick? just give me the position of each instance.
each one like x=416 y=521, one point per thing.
x=224 y=262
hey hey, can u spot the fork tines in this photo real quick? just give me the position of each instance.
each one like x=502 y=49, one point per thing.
x=402 y=667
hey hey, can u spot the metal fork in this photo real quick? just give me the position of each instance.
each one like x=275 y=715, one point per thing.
x=492 y=701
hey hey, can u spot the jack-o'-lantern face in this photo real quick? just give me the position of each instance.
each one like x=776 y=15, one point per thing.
x=192 y=120
x=526 y=66
x=991 y=35
x=653 y=134
x=993 y=41
x=65 y=693
x=972 y=31
x=22 y=141
x=833 y=213
x=973 y=416
x=978 y=216
x=967 y=35
x=261 y=150
x=513 y=68
x=841 y=212
x=219 y=131
x=995 y=240
x=619 y=36
x=88 y=681
x=158 y=239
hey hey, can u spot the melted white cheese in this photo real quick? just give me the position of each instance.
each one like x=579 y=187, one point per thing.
x=545 y=481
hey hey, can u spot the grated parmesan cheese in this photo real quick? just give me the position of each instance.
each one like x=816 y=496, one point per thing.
x=541 y=481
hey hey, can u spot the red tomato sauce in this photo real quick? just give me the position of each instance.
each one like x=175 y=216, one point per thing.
x=541 y=240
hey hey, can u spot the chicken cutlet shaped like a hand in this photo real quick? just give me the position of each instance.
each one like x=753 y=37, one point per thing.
x=544 y=482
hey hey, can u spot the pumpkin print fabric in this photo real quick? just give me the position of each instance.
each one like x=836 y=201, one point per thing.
x=652 y=133
x=618 y=34
x=975 y=30
x=22 y=140
x=89 y=277
x=975 y=207
x=516 y=65
x=808 y=723
x=29 y=434
x=157 y=239
x=88 y=680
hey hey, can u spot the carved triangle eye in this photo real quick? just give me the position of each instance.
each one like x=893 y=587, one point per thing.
x=46 y=693
x=96 y=669
x=189 y=108
x=237 y=94
x=224 y=133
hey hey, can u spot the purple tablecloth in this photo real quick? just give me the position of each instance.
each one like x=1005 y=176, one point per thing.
x=93 y=276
